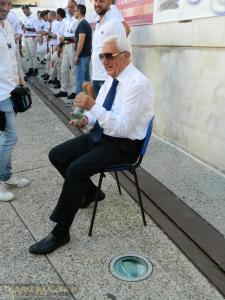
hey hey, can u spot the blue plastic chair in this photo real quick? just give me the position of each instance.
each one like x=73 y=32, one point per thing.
x=124 y=167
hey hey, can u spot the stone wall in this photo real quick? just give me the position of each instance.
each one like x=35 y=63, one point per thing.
x=186 y=64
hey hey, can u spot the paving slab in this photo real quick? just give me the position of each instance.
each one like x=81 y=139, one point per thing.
x=83 y=263
x=20 y=274
x=38 y=131
x=198 y=185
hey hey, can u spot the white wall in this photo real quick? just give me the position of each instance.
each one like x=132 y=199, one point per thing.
x=186 y=64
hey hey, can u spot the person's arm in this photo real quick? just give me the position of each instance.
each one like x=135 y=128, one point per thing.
x=121 y=120
x=80 y=45
x=127 y=27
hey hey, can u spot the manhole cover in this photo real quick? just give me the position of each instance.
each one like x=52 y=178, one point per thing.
x=131 y=267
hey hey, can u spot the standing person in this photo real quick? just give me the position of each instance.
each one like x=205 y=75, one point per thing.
x=53 y=42
x=115 y=13
x=30 y=41
x=106 y=26
x=120 y=118
x=83 y=41
x=55 y=74
x=68 y=68
x=8 y=81
x=18 y=33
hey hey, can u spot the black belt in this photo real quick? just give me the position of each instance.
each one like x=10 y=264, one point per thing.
x=68 y=41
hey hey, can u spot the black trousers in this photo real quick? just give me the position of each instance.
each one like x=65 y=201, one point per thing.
x=77 y=160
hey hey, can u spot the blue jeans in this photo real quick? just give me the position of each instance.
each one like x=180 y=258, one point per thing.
x=97 y=84
x=8 y=139
x=82 y=72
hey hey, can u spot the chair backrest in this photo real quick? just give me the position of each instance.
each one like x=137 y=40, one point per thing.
x=145 y=143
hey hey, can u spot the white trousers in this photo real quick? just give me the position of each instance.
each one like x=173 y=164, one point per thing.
x=56 y=62
x=30 y=48
x=68 y=69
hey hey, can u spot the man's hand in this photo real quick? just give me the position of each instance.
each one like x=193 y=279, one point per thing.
x=79 y=123
x=61 y=39
x=75 y=59
x=84 y=101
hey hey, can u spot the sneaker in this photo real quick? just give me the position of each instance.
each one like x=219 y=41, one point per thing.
x=4 y=194
x=61 y=94
x=13 y=181
x=71 y=96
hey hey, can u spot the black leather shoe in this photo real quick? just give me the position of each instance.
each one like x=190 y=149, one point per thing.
x=57 y=86
x=44 y=75
x=35 y=73
x=71 y=96
x=49 y=81
x=88 y=200
x=56 y=81
x=61 y=94
x=48 y=244
x=30 y=72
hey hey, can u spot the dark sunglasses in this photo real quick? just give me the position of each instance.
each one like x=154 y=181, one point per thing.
x=109 y=56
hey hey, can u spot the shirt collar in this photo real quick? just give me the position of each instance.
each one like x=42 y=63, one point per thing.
x=122 y=77
x=105 y=18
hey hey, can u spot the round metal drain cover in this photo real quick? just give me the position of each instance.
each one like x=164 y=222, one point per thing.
x=131 y=267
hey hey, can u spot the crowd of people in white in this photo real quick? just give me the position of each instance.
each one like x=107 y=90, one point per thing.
x=62 y=40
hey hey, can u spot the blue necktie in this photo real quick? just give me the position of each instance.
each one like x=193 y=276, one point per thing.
x=96 y=133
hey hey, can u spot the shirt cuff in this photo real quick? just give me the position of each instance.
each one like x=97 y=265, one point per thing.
x=91 y=118
x=97 y=110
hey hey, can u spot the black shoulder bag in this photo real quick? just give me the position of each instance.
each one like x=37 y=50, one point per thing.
x=21 y=99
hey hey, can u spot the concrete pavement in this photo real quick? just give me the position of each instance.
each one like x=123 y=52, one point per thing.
x=80 y=270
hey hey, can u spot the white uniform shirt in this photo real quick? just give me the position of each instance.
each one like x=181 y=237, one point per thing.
x=61 y=26
x=39 y=25
x=116 y=13
x=69 y=26
x=8 y=65
x=132 y=108
x=14 y=22
x=108 y=26
x=30 y=22
x=55 y=30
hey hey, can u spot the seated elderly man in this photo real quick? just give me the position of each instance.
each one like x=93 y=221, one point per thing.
x=120 y=117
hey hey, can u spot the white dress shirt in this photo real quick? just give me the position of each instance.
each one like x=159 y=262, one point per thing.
x=14 y=22
x=108 y=26
x=116 y=13
x=39 y=25
x=55 y=30
x=8 y=65
x=132 y=108
x=68 y=26
x=30 y=22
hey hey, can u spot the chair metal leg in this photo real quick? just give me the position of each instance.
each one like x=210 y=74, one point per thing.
x=96 y=203
x=139 y=197
x=118 y=183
